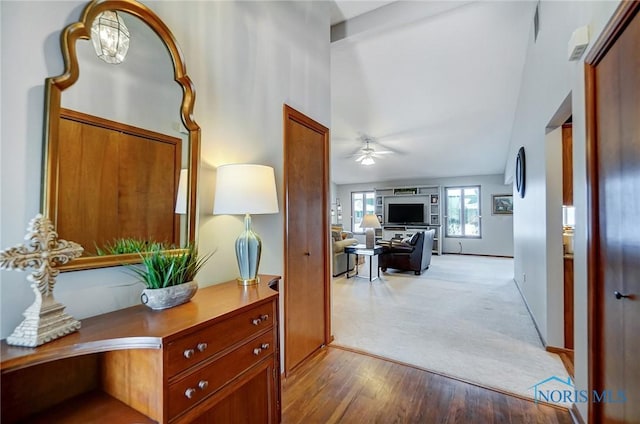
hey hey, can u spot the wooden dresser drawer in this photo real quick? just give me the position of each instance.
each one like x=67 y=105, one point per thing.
x=196 y=387
x=196 y=347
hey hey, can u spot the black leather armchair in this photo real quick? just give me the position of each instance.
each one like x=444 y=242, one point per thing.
x=414 y=255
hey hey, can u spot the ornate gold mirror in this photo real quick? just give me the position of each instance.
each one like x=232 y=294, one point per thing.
x=117 y=139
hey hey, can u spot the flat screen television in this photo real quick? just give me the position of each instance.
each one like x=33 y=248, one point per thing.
x=405 y=213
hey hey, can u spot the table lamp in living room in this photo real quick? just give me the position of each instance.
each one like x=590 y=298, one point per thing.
x=246 y=189
x=370 y=223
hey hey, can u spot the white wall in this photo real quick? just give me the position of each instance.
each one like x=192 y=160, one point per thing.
x=547 y=80
x=245 y=58
x=497 y=230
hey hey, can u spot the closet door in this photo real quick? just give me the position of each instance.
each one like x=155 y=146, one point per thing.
x=613 y=84
x=306 y=289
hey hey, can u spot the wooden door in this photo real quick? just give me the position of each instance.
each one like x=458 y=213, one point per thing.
x=119 y=181
x=567 y=164
x=613 y=147
x=567 y=200
x=306 y=294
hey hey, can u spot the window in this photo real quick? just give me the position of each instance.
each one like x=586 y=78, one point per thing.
x=462 y=212
x=362 y=203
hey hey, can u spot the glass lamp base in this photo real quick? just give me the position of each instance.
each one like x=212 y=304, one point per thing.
x=248 y=249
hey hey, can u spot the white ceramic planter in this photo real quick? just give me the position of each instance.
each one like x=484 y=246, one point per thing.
x=170 y=296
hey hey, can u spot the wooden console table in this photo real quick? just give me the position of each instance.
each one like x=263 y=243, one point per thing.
x=213 y=359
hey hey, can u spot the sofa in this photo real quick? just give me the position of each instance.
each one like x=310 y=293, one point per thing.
x=339 y=240
x=413 y=254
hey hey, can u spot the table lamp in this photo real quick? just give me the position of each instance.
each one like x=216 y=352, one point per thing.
x=370 y=223
x=246 y=189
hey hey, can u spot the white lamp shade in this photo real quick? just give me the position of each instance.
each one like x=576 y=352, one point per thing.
x=181 y=201
x=245 y=188
x=370 y=221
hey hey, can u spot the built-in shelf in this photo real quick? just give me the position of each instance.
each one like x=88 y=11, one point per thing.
x=92 y=407
x=429 y=196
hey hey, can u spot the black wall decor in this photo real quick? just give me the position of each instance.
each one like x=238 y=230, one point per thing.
x=520 y=177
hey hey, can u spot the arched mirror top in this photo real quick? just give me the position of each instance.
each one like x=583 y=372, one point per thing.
x=56 y=188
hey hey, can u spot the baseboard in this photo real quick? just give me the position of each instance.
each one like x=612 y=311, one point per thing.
x=535 y=323
x=559 y=350
x=287 y=374
x=575 y=415
x=566 y=356
x=477 y=254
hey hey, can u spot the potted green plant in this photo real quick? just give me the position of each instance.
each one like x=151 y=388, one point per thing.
x=169 y=275
x=125 y=245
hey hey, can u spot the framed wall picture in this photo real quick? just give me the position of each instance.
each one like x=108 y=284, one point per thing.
x=502 y=204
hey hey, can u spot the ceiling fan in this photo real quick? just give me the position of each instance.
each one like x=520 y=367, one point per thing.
x=366 y=155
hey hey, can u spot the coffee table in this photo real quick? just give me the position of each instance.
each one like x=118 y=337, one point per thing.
x=361 y=249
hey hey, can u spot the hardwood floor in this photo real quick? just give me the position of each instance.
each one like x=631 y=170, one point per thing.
x=340 y=386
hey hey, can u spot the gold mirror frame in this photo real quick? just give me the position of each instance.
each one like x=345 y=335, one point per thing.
x=54 y=86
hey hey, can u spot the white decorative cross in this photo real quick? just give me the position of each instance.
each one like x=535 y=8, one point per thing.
x=45 y=319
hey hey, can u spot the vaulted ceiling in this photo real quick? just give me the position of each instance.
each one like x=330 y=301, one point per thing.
x=436 y=83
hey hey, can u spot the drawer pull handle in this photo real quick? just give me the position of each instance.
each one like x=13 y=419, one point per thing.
x=257 y=351
x=190 y=392
x=257 y=321
x=202 y=347
x=265 y=346
x=203 y=384
x=188 y=353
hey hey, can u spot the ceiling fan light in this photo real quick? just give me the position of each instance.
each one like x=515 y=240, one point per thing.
x=368 y=161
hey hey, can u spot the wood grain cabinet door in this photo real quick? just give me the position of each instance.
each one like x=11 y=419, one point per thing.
x=253 y=402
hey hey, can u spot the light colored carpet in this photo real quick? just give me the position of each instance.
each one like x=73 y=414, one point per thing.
x=463 y=317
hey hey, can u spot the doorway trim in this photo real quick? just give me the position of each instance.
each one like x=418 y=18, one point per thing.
x=595 y=278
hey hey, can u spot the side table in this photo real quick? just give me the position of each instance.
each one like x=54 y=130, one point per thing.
x=361 y=249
